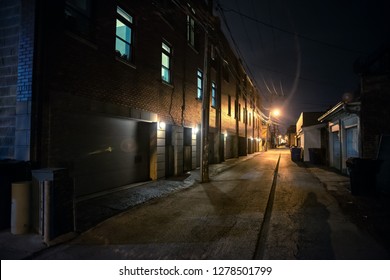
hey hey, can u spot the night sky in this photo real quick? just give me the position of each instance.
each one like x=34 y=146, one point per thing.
x=301 y=53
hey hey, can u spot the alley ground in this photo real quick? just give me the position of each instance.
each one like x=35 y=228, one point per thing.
x=240 y=214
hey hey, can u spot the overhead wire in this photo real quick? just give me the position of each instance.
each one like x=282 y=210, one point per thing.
x=245 y=29
x=281 y=88
x=273 y=27
x=257 y=26
x=236 y=45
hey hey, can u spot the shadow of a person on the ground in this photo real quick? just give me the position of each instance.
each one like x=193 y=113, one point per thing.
x=314 y=240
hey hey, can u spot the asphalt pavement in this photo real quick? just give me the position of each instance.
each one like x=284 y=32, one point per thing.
x=369 y=213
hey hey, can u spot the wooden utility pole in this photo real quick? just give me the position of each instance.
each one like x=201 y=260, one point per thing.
x=204 y=153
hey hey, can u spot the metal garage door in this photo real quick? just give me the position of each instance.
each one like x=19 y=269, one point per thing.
x=105 y=152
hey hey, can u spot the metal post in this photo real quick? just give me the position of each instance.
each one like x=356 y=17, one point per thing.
x=46 y=211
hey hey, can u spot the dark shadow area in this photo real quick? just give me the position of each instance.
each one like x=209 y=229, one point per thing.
x=314 y=240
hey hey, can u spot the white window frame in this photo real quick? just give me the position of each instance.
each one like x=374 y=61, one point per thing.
x=166 y=50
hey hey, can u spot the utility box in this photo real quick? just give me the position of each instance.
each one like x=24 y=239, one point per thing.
x=56 y=202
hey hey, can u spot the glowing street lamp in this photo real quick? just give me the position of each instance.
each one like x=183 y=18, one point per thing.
x=274 y=112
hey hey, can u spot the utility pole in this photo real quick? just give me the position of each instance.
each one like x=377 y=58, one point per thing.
x=204 y=153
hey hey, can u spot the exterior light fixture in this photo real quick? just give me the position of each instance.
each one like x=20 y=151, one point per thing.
x=274 y=112
x=195 y=130
x=161 y=125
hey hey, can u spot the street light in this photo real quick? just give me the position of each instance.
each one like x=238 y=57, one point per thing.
x=275 y=112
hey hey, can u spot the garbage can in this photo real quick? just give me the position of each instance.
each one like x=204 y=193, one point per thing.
x=362 y=174
x=296 y=154
x=20 y=207
x=10 y=171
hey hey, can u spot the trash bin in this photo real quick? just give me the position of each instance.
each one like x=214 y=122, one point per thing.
x=296 y=154
x=10 y=171
x=362 y=174
x=315 y=155
x=20 y=207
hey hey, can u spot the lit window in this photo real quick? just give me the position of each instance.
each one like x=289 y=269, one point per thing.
x=191 y=31
x=124 y=35
x=199 y=92
x=213 y=95
x=166 y=63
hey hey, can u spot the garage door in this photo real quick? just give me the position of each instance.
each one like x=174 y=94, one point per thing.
x=104 y=152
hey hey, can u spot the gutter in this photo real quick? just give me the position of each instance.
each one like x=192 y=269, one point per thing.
x=350 y=108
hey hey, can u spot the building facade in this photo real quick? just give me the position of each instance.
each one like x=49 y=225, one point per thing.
x=115 y=91
x=309 y=133
x=343 y=130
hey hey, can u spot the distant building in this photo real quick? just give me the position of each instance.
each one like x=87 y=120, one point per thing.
x=359 y=125
x=292 y=135
x=308 y=130
x=343 y=126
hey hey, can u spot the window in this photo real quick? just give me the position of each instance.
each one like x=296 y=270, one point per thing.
x=124 y=35
x=190 y=31
x=199 y=92
x=213 y=95
x=250 y=119
x=166 y=63
x=78 y=17
x=229 y=105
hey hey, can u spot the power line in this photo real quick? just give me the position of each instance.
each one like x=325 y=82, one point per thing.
x=257 y=26
x=293 y=33
x=245 y=28
x=236 y=45
x=299 y=77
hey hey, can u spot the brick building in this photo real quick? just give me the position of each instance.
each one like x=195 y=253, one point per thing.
x=113 y=90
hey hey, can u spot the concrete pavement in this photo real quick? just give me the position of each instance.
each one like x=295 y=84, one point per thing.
x=308 y=221
x=26 y=246
x=92 y=211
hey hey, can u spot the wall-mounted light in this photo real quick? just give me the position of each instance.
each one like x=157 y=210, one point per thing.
x=161 y=125
x=195 y=130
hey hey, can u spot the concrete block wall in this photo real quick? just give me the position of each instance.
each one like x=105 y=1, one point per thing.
x=9 y=43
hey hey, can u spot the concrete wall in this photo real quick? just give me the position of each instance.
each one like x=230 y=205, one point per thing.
x=311 y=139
x=10 y=16
x=25 y=81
